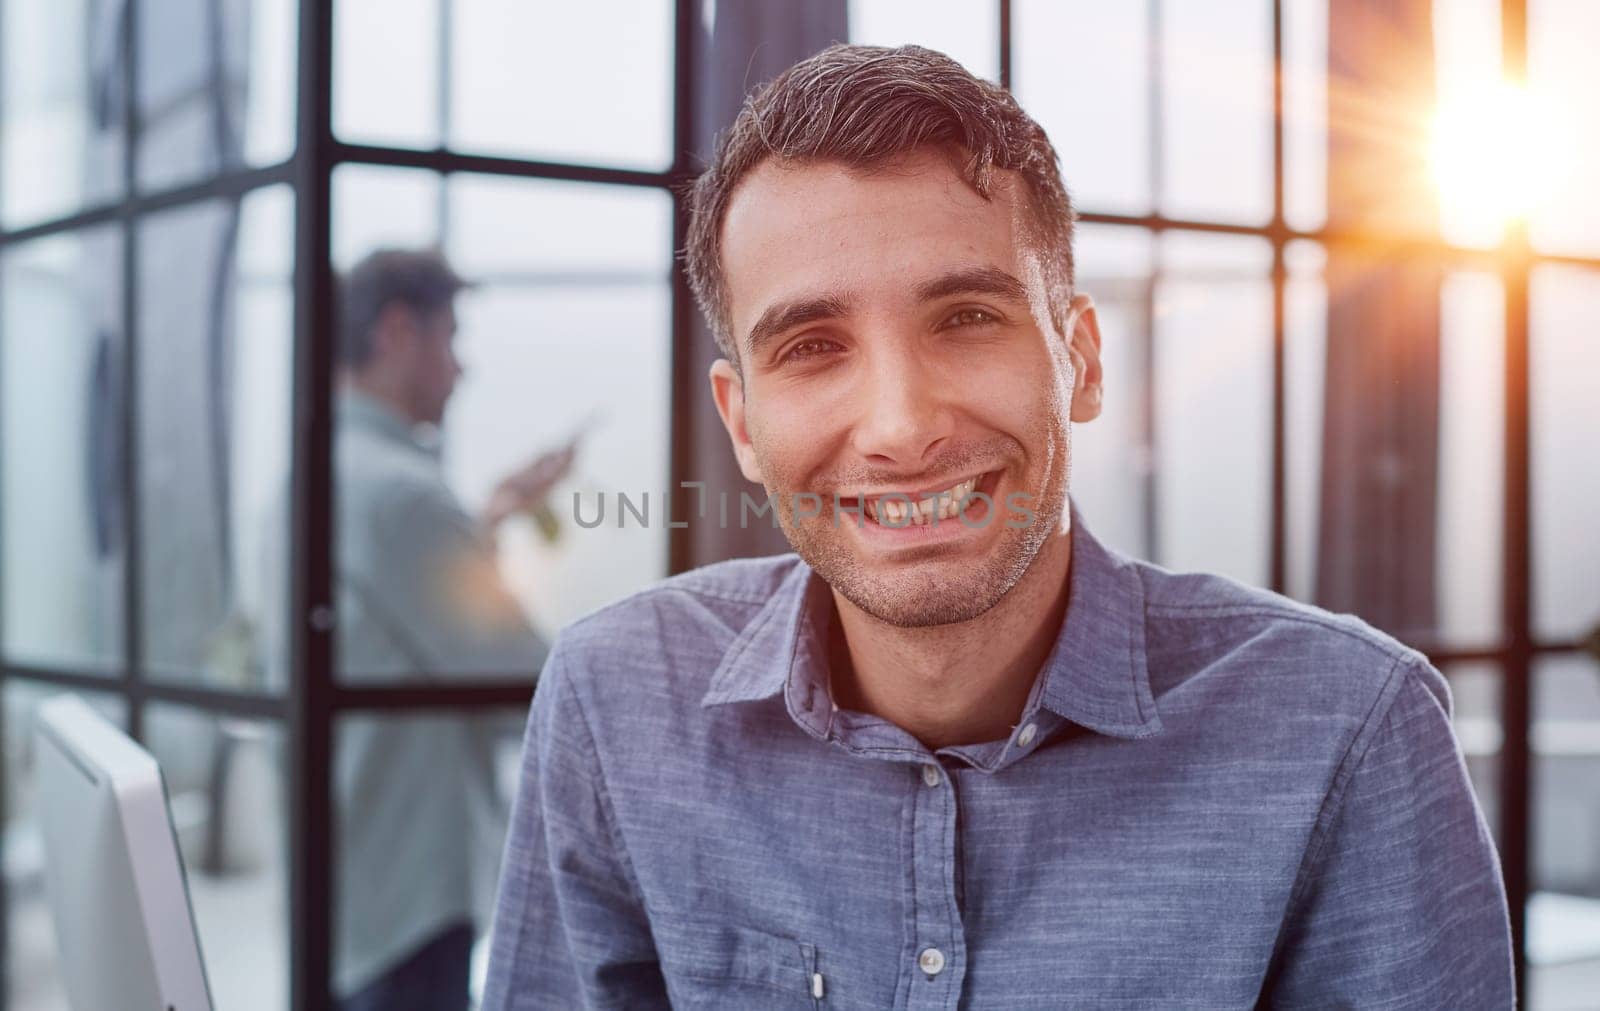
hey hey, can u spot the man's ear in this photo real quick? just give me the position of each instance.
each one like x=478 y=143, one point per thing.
x=727 y=389
x=1084 y=347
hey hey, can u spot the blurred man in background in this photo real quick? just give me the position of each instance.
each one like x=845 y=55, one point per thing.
x=419 y=822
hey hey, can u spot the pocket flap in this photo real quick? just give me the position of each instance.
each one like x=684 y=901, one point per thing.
x=728 y=952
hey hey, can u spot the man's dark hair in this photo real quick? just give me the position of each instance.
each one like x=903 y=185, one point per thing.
x=864 y=106
x=420 y=279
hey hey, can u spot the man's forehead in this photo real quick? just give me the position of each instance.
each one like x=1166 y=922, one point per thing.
x=791 y=227
x=780 y=193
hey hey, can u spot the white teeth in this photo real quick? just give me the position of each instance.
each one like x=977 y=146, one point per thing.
x=943 y=506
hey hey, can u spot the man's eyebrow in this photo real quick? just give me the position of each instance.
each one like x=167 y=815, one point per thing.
x=973 y=281
x=781 y=317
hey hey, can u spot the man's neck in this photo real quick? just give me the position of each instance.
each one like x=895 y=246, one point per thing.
x=955 y=684
x=382 y=394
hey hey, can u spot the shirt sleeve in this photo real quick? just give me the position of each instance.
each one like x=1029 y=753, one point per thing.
x=1400 y=902
x=570 y=927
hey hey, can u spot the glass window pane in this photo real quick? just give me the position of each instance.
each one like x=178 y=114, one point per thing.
x=386 y=72
x=33 y=970
x=1564 y=79
x=216 y=329
x=1305 y=351
x=610 y=61
x=1564 y=910
x=503 y=227
x=1216 y=110
x=1093 y=99
x=1359 y=456
x=542 y=341
x=1213 y=404
x=216 y=87
x=225 y=793
x=571 y=282
x=376 y=206
x=63 y=538
x=422 y=805
x=1305 y=113
x=967 y=31
x=1111 y=455
x=1471 y=480
x=1565 y=357
x=61 y=108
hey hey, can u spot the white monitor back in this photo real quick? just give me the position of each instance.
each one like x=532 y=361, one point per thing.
x=115 y=878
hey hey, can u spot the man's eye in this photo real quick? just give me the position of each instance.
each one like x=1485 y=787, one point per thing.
x=809 y=348
x=971 y=317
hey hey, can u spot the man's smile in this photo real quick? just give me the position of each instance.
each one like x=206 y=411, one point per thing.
x=899 y=508
x=955 y=512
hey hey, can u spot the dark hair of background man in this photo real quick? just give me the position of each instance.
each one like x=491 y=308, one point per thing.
x=421 y=280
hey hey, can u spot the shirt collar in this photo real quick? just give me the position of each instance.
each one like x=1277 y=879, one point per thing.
x=789 y=632
x=1094 y=676
x=360 y=410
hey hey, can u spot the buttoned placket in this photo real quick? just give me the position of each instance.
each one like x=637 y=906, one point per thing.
x=933 y=969
x=938 y=956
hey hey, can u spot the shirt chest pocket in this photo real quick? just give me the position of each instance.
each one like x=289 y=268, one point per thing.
x=725 y=966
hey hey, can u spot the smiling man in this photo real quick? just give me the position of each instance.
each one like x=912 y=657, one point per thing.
x=954 y=752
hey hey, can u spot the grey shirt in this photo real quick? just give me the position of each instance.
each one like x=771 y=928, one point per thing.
x=1215 y=797
x=419 y=827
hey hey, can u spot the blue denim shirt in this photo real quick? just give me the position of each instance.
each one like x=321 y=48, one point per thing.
x=1214 y=798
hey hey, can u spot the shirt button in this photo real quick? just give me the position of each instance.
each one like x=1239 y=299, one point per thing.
x=931 y=961
x=930 y=775
x=1026 y=737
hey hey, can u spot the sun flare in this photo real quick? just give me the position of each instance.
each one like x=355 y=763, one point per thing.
x=1494 y=152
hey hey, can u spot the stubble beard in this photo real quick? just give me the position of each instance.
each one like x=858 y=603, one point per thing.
x=922 y=598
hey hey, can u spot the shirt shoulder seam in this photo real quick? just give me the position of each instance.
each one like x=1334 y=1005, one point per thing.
x=726 y=597
x=603 y=612
x=1396 y=652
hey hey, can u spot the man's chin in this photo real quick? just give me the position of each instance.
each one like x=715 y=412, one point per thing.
x=927 y=593
x=941 y=587
x=910 y=606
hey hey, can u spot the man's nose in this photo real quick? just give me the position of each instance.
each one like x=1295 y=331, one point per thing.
x=903 y=414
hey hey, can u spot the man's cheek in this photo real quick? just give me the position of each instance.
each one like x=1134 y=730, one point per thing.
x=779 y=443
x=776 y=466
x=762 y=442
